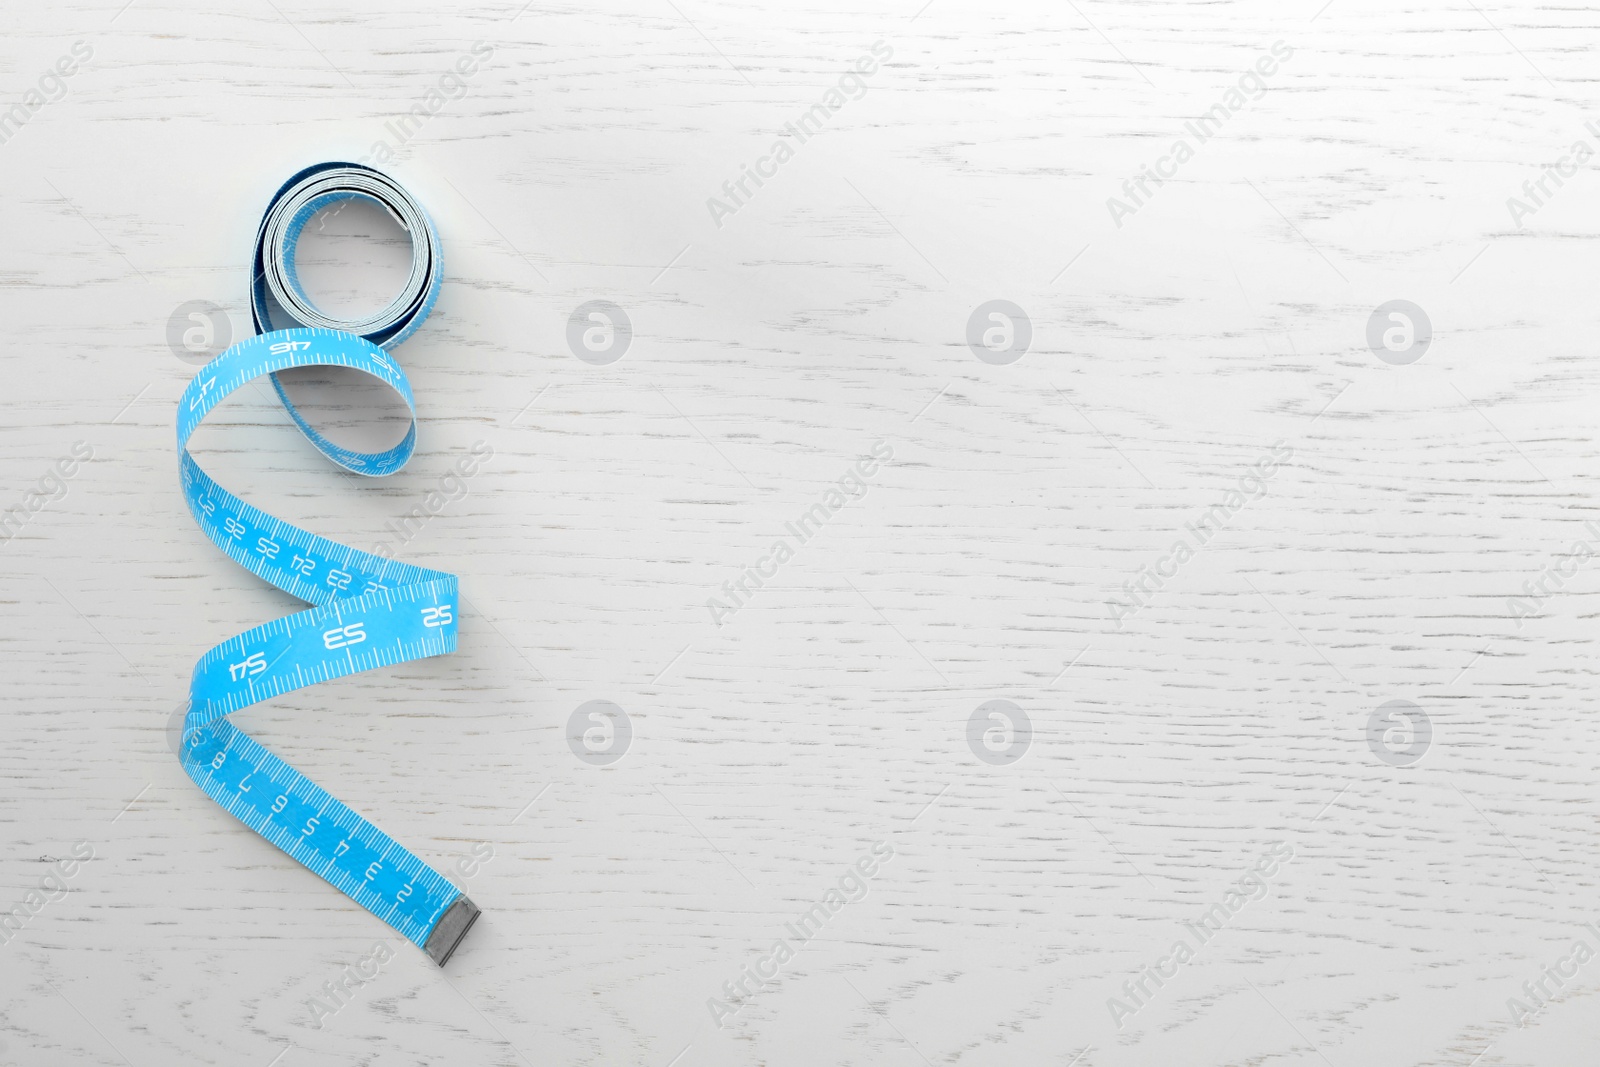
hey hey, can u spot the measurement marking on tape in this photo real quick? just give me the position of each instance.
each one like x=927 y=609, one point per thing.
x=366 y=611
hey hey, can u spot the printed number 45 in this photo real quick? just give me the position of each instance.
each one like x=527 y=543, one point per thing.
x=439 y=616
x=253 y=665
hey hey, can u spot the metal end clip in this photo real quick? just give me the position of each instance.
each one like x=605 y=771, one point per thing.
x=451 y=928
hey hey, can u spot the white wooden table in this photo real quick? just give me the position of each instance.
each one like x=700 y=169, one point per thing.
x=1177 y=340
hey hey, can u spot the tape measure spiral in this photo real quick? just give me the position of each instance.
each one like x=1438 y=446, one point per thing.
x=367 y=611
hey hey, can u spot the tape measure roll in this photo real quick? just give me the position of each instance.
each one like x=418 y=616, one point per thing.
x=296 y=203
x=367 y=611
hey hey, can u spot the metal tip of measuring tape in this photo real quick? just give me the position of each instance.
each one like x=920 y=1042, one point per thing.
x=451 y=928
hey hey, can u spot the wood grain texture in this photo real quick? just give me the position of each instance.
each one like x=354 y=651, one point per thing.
x=1169 y=354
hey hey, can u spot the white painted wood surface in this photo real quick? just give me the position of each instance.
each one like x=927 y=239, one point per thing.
x=828 y=313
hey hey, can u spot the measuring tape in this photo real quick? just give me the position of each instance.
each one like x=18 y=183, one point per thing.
x=367 y=611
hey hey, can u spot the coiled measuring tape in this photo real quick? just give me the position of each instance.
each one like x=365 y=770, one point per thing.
x=367 y=611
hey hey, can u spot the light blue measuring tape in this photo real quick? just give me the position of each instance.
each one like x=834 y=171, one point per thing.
x=367 y=611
